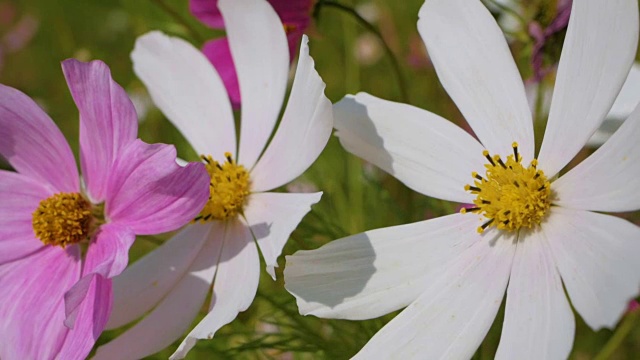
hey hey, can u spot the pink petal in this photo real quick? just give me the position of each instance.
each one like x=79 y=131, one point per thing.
x=88 y=303
x=107 y=256
x=177 y=305
x=32 y=143
x=292 y=12
x=108 y=120
x=92 y=318
x=147 y=282
x=20 y=197
x=207 y=12
x=32 y=311
x=150 y=193
x=217 y=51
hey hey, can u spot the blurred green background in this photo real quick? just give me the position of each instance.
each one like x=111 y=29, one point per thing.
x=36 y=35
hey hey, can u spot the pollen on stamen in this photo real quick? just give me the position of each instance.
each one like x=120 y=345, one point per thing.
x=63 y=219
x=509 y=195
x=229 y=188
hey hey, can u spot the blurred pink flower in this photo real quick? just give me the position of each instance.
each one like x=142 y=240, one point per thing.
x=295 y=17
x=542 y=35
x=62 y=237
x=17 y=33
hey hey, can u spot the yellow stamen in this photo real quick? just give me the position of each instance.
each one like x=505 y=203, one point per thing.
x=229 y=188
x=510 y=196
x=63 y=219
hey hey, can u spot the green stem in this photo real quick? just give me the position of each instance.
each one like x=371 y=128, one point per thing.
x=151 y=239
x=618 y=337
x=180 y=19
x=394 y=62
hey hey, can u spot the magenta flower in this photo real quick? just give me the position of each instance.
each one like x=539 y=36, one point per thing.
x=295 y=17
x=62 y=237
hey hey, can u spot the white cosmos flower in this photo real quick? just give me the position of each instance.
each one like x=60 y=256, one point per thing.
x=452 y=277
x=625 y=103
x=172 y=282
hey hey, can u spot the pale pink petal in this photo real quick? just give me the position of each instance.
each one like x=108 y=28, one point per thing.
x=32 y=143
x=426 y=152
x=219 y=54
x=597 y=257
x=107 y=256
x=32 y=311
x=261 y=56
x=108 y=121
x=538 y=320
x=92 y=318
x=303 y=132
x=599 y=49
x=608 y=179
x=177 y=309
x=234 y=288
x=20 y=198
x=147 y=281
x=474 y=64
x=379 y=271
x=273 y=217
x=150 y=193
x=188 y=90
x=108 y=253
x=454 y=313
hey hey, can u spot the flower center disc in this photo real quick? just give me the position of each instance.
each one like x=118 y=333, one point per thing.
x=510 y=196
x=62 y=219
x=229 y=188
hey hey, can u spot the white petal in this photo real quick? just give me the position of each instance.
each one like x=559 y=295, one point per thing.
x=538 y=320
x=454 y=313
x=176 y=311
x=188 y=90
x=596 y=256
x=303 y=132
x=376 y=272
x=273 y=217
x=234 y=287
x=629 y=95
x=145 y=283
x=608 y=179
x=261 y=55
x=426 y=152
x=474 y=64
x=598 y=52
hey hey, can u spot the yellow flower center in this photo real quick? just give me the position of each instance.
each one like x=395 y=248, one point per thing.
x=229 y=188
x=63 y=219
x=510 y=196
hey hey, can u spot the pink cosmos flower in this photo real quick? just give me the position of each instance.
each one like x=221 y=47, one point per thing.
x=63 y=237
x=295 y=18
